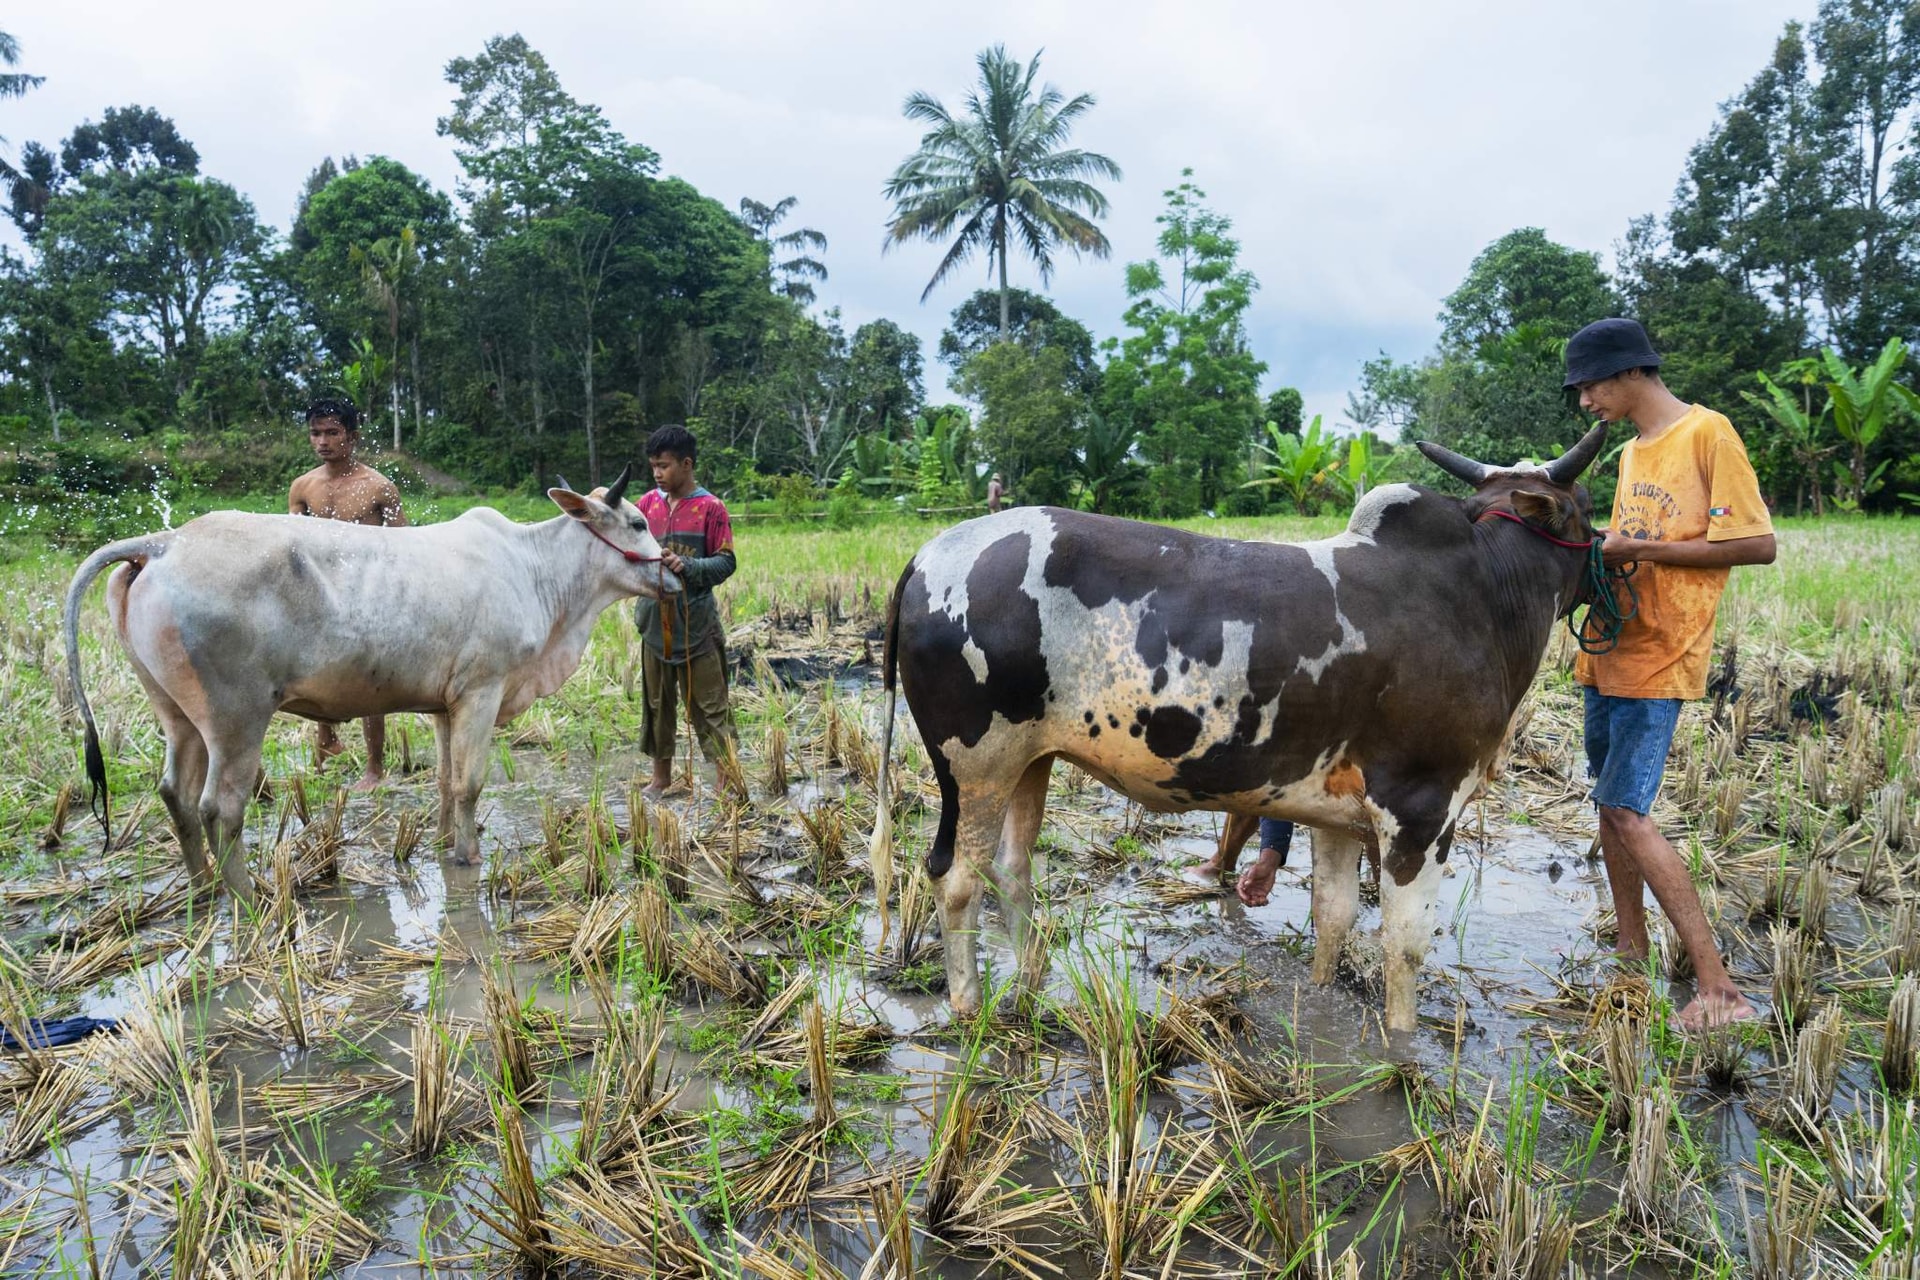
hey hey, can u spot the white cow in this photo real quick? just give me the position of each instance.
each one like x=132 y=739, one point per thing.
x=233 y=617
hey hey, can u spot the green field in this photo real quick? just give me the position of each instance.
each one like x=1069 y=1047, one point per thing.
x=667 y=1040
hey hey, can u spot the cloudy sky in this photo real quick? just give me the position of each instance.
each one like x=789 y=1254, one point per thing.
x=1366 y=150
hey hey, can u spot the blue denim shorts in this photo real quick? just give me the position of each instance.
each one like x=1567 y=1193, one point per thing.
x=1627 y=744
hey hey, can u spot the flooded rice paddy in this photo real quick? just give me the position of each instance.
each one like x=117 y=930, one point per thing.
x=669 y=1039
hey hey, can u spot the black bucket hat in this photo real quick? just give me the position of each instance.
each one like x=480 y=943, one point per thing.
x=1607 y=347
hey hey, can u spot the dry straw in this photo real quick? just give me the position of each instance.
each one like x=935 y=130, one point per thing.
x=1813 y=1068
x=437 y=1050
x=774 y=782
x=1905 y=949
x=1793 y=959
x=1647 y=1189
x=1780 y=1242
x=1900 y=1044
x=508 y=1033
x=1816 y=892
x=1623 y=1053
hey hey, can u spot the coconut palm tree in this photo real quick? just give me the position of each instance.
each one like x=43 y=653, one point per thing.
x=388 y=268
x=1000 y=173
x=797 y=272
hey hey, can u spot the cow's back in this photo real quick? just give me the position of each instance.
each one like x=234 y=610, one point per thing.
x=1181 y=668
x=328 y=610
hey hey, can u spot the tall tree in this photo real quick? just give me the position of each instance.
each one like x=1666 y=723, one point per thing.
x=883 y=373
x=790 y=253
x=1524 y=278
x=360 y=205
x=530 y=151
x=1001 y=174
x=1030 y=416
x=389 y=268
x=1869 y=52
x=13 y=84
x=134 y=214
x=1186 y=375
x=1032 y=319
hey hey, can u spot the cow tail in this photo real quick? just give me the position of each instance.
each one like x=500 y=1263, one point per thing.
x=880 y=847
x=138 y=550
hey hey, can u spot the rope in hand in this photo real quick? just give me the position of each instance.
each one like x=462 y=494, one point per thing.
x=666 y=627
x=1598 y=630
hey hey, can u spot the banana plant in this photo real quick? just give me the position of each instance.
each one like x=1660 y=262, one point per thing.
x=1801 y=429
x=1364 y=467
x=361 y=379
x=1300 y=466
x=1862 y=403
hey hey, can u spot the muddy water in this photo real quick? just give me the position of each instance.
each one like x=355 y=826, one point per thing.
x=1516 y=914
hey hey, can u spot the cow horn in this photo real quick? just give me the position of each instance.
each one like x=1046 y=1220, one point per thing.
x=1474 y=473
x=1569 y=466
x=618 y=488
x=563 y=482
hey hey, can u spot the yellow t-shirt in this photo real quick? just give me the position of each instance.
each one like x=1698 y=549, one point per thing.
x=1692 y=480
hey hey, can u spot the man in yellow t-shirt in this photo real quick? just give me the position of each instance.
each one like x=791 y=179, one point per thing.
x=1687 y=510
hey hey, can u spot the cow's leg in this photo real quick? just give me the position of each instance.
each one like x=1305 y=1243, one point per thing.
x=185 y=774
x=1025 y=812
x=443 y=737
x=181 y=783
x=1409 y=899
x=233 y=762
x=1336 y=896
x=471 y=729
x=976 y=835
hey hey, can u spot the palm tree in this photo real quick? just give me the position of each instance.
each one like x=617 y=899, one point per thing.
x=12 y=85
x=799 y=271
x=388 y=268
x=1000 y=172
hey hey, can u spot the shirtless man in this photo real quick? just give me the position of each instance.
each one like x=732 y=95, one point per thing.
x=343 y=488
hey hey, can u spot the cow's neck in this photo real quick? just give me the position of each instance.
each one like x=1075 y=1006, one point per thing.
x=1532 y=581
x=574 y=580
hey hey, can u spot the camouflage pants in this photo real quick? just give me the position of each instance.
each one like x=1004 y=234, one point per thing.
x=666 y=683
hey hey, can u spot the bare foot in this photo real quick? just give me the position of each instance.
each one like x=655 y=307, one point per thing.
x=369 y=781
x=662 y=780
x=326 y=750
x=1208 y=872
x=1706 y=1011
x=1630 y=957
x=1256 y=882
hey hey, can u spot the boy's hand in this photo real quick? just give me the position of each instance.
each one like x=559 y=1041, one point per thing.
x=1618 y=549
x=672 y=560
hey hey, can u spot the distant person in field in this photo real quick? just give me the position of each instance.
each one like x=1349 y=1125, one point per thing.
x=1687 y=509
x=996 y=493
x=344 y=488
x=683 y=651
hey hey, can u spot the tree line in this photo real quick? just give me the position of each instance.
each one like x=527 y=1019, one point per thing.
x=566 y=297
x=1782 y=284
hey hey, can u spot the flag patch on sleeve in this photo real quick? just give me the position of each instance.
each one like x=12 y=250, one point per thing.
x=1716 y=512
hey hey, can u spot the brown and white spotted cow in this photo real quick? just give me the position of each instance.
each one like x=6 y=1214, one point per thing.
x=1361 y=685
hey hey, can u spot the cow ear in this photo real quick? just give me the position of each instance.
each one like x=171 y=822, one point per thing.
x=1543 y=509
x=577 y=505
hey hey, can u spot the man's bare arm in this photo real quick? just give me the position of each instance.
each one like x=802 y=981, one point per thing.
x=391 y=514
x=1693 y=553
x=296 y=500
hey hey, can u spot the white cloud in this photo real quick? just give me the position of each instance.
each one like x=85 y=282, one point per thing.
x=1366 y=151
